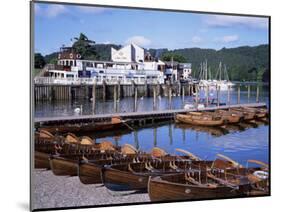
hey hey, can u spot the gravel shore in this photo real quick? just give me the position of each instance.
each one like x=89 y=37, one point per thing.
x=59 y=191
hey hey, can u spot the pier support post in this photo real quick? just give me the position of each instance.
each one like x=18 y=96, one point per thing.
x=170 y=134
x=115 y=98
x=196 y=97
x=94 y=97
x=183 y=93
x=258 y=93
x=249 y=93
x=154 y=97
x=170 y=96
x=179 y=89
x=238 y=94
x=218 y=95
x=145 y=88
x=103 y=90
x=228 y=95
x=136 y=98
x=136 y=139
x=118 y=91
x=207 y=96
x=155 y=136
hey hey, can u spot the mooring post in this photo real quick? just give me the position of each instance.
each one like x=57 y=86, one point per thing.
x=179 y=89
x=136 y=139
x=145 y=87
x=103 y=90
x=238 y=94
x=188 y=89
x=218 y=95
x=155 y=136
x=154 y=97
x=118 y=91
x=249 y=93
x=115 y=98
x=136 y=98
x=196 y=97
x=94 y=97
x=207 y=95
x=183 y=93
x=170 y=96
x=258 y=93
x=170 y=134
x=228 y=95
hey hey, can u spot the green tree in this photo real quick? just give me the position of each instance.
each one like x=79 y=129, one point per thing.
x=39 y=61
x=84 y=47
x=169 y=56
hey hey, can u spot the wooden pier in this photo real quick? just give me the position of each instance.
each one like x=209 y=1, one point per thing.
x=140 y=118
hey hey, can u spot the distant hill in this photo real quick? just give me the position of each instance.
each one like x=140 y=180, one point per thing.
x=243 y=63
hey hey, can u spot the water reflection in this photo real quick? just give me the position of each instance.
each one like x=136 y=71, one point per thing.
x=66 y=108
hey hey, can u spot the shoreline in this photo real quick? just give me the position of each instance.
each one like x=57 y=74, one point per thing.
x=52 y=191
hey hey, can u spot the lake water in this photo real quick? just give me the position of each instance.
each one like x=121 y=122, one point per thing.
x=249 y=142
x=66 y=108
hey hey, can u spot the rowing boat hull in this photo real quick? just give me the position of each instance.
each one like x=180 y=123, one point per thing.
x=41 y=160
x=200 y=122
x=161 y=190
x=89 y=173
x=63 y=167
x=116 y=180
x=84 y=128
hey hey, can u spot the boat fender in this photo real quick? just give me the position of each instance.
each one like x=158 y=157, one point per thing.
x=261 y=174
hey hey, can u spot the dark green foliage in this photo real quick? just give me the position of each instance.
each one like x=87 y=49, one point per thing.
x=84 y=47
x=51 y=58
x=169 y=56
x=237 y=60
x=39 y=61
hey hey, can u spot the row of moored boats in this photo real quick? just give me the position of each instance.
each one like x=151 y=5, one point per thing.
x=165 y=177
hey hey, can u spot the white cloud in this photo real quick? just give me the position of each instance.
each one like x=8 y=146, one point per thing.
x=227 y=39
x=196 y=39
x=229 y=21
x=50 y=11
x=139 y=40
x=106 y=42
x=90 y=9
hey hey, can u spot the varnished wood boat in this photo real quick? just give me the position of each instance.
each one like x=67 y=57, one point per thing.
x=90 y=171
x=199 y=119
x=215 y=131
x=134 y=176
x=231 y=118
x=260 y=112
x=112 y=124
x=41 y=160
x=212 y=183
x=63 y=165
x=247 y=115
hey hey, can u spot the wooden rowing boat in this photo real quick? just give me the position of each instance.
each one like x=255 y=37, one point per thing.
x=41 y=160
x=63 y=165
x=215 y=131
x=231 y=118
x=247 y=115
x=199 y=119
x=112 y=124
x=217 y=181
x=134 y=176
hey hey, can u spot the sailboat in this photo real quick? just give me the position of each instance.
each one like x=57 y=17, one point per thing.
x=225 y=83
x=205 y=75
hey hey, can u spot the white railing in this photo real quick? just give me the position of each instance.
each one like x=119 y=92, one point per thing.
x=91 y=81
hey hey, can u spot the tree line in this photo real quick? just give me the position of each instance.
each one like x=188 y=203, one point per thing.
x=243 y=63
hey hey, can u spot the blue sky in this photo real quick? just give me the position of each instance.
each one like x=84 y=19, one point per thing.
x=56 y=24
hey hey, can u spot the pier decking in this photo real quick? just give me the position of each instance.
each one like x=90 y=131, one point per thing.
x=143 y=115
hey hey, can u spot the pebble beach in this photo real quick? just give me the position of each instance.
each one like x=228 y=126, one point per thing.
x=59 y=191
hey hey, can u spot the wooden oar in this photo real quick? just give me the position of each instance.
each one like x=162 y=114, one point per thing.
x=258 y=162
x=123 y=122
x=230 y=160
x=192 y=156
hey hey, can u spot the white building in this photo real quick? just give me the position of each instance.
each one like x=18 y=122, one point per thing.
x=127 y=64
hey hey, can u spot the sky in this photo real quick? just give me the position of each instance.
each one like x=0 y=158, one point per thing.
x=56 y=24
